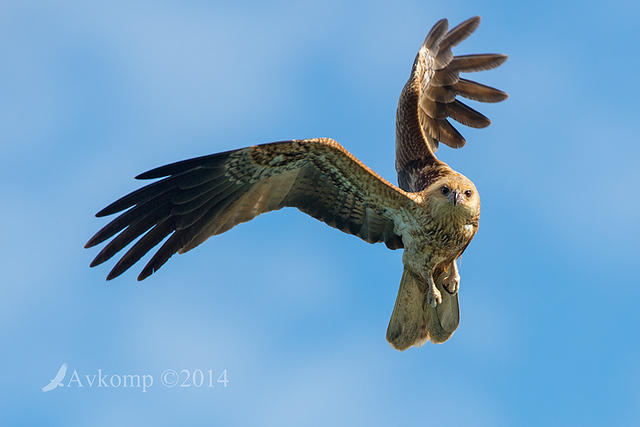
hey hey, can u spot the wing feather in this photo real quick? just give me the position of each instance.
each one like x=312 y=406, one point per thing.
x=478 y=91
x=481 y=62
x=466 y=115
x=205 y=196
x=459 y=33
x=429 y=97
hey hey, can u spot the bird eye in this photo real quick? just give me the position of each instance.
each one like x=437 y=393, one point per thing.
x=444 y=190
x=468 y=193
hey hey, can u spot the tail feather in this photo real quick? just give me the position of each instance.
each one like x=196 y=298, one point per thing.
x=414 y=322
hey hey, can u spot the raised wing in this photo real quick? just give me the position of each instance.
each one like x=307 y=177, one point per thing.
x=429 y=97
x=209 y=195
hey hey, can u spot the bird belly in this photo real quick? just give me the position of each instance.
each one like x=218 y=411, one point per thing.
x=435 y=245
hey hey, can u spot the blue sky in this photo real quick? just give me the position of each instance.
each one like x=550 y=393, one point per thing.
x=295 y=312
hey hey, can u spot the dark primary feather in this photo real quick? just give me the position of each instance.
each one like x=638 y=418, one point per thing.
x=208 y=195
x=480 y=62
x=440 y=50
x=459 y=33
x=466 y=115
x=435 y=35
x=478 y=92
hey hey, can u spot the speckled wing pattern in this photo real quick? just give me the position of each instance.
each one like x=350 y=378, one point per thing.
x=209 y=195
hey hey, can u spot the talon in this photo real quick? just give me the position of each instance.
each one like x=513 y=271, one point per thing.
x=433 y=295
x=434 y=298
x=451 y=283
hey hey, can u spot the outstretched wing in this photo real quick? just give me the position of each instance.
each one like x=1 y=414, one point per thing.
x=429 y=97
x=209 y=195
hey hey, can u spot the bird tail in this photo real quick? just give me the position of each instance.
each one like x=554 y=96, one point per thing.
x=414 y=322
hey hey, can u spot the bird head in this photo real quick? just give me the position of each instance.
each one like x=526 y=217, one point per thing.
x=454 y=196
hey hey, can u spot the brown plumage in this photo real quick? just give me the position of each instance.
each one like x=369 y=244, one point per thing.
x=433 y=214
x=427 y=305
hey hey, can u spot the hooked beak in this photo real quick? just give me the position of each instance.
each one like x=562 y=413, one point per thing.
x=454 y=197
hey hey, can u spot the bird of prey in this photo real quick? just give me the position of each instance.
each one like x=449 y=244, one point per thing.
x=433 y=213
x=57 y=380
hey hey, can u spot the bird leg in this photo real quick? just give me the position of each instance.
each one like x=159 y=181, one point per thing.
x=433 y=294
x=451 y=283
